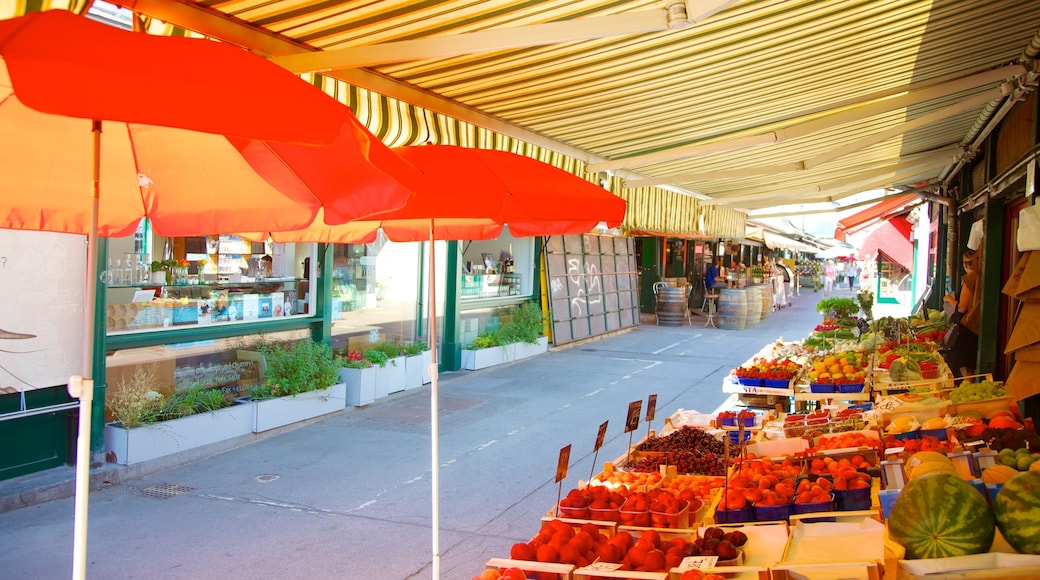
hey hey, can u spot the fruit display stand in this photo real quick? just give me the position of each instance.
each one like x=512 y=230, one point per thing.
x=766 y=544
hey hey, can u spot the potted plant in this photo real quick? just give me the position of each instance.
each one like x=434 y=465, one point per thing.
x=485 y=351
x=520 y=337
x=415 y=363
x=302 y=382
x=162 y=271
x=149 y=425
x=391 y=376
x=523 y=332
x=359 y=376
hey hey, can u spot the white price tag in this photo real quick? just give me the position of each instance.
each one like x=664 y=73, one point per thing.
x=697 y=563
x=601 y=567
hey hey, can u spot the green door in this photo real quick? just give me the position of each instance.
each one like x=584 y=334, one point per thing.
x=647 y=252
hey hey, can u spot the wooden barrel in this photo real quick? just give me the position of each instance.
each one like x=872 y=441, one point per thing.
x=671 y=306
x=754 y=305
x=767 y=299
x=732 y=310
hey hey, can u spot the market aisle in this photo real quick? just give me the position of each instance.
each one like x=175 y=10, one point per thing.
x=349 y=496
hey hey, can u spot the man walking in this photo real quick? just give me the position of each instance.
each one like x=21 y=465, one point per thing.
x=852 y=273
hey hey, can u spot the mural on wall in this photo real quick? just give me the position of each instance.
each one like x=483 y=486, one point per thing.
x=41 y=309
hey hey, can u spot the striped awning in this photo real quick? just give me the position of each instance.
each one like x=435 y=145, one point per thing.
x=742 y=104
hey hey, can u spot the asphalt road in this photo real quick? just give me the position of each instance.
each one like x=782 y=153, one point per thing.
x=349 y=496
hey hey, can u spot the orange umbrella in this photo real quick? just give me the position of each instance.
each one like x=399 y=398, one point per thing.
x=164 y=155
x=470 y=194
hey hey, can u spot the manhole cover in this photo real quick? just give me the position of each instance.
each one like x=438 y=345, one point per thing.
x=267 y=478
x=165 y=490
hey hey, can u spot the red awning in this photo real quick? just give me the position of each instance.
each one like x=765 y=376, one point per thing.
x=891 y=238
x=880 y=210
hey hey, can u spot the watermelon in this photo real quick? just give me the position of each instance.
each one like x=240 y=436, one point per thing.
x=940 y=515
x=1017 y=508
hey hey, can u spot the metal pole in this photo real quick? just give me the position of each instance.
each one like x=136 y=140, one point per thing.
x=434 y=424
x=83 y=387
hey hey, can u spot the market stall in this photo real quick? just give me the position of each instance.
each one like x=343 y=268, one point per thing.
x=880 y=464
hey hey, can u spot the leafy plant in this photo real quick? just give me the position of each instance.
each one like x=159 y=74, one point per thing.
x=294 y=368
x=416 y=348
x=486 y=339
x=376 y=357
x=160 y=265
x=391 y=348
x=525 y=325
x=354 y=360
x=839 y=307
x=136 y=402
x=193 y=401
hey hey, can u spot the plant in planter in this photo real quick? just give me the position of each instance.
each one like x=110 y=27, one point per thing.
x=391 y=375
x=520 y=337
x=149 y=425
x=164 y=266
x=137 y=401
x=416 y=361
x=359 y=376
x=525 y=325
x=294 y=368
x=302 y=382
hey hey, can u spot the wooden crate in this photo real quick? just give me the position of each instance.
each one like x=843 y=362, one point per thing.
x=566 y=571
x=593 y=572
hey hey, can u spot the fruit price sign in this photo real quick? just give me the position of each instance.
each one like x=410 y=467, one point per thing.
x=651 y=408
x=562 y=463
x=635 y=408
x=697 y=563
x=600 y=437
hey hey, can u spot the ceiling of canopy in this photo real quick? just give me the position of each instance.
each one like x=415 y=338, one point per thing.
x=747 y=103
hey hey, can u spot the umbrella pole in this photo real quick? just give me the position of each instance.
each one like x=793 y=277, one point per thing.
x=84 y=387
x=434 y=422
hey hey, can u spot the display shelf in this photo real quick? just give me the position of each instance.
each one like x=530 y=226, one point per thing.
x=490 y=285
x=129 y=309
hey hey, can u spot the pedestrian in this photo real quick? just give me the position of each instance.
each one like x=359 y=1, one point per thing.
x=829 y=273
x=962 y=340
x=852 y=273
x=710 y=276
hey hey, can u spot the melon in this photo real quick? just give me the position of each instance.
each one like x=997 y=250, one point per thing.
x=925 y=462
x=931 y=467
x=940 y=515
x=998 y=473
x=1017 y=509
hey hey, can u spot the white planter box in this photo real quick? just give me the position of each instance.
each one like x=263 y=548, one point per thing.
x=361 y=385
x=390 y=378
x=273 y=413
x=427 y=359
x=525 y=350
x=413 y=372
x=488 y=357
x=483 y=358
x=130 y=446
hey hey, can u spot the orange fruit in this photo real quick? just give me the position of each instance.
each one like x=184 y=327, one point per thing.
x=547 y=553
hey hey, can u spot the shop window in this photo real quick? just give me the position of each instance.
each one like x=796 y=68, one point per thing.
x=227 y=364
x=497 y=268
x=375 y=289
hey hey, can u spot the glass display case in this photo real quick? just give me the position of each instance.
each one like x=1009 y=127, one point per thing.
x=148 y=307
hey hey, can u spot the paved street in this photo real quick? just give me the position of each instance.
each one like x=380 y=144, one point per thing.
x=348 y=496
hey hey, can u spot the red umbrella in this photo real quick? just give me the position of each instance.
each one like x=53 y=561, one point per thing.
x=470 y=194
x=164 y=154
